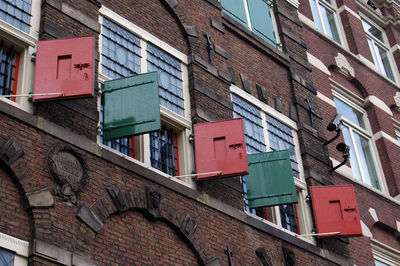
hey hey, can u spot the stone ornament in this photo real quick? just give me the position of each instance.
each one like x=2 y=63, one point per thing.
x=344 y=67
x=188 y=226
x=153 y=202
x=69 y=170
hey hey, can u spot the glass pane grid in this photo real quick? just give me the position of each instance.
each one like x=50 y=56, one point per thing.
x=6 y=257
x=7 y=70
x=253 y=129
x=123 y=145
x=281 y=138
x=288 y=217
x=163 y=151
x=169 y=78
x=16 y=13
x=120 y=51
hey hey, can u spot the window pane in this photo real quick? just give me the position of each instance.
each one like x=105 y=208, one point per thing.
x=169 y=78
x=366 y=161
x=368 y=28
x=236 y=9
x=164 y=151
x=253 y=130
x=288 y=217
x=349 y=113
x=380 y=263
x=6 y=257
x=8 y=69
x=16 y=13
x=120 y=51
x=317 y=20
x=281 y=138
x=387 y=70
x=353 y=159
x=329 y=23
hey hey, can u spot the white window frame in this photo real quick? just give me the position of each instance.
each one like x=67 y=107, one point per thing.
x=18 y=246
x=180 y=124
x=333 y=9
x=25 y=44
x=385 y=253
x=303 y=209
x=383 y=45
x=357 y=103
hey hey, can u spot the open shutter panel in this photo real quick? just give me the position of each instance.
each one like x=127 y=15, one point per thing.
x=64 y=65
x=261 y=20
x=131 y=106
x=220 y=146
x=236 y=9
x=270 y=179
x=335 y=210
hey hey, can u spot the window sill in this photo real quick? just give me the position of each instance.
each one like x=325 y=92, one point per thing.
x=346 y=172
x=26 y=108
x=19 y=37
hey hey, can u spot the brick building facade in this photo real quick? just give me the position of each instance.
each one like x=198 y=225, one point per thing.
x=70 y=196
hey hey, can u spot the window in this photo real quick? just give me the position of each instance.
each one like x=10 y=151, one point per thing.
x=128 y=50
x=9 y=62
x=325 y=18
x=6 y=257
x=253 y=14
x=357 y=137
x=17 y=13
x=13 y=251
x=380 y=53
x=265 y=132
x=20 y=19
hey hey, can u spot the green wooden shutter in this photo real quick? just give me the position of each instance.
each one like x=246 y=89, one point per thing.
x=270 y=180
x=261 y=20
x=131 y=106
x=236 y=9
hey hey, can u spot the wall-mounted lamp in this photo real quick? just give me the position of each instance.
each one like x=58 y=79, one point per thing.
x=334 y=125
x=344 y=149
x=191 y=138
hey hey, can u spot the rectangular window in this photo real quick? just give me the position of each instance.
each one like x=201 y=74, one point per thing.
x=6 y=257
x=253 y=14
x=128 y=50
x=263 y=133
x=357 y=137
x=380 y=53
x=9 y=62
x=17 y=13
x=324 y=18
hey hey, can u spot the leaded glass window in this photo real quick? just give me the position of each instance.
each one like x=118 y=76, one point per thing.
x=8 y=70
x=253 y=129
x=169 y=78
x=120 y=51
x=164 y=151
x=16 y=13
x=281 y=138
x=289 y=217
x=6 y=257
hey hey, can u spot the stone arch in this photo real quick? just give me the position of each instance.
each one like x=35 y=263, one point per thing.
x=118 y=201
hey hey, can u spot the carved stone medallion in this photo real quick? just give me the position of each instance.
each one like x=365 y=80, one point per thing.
x=69 y=170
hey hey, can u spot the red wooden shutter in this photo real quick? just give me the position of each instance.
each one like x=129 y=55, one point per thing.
x=64 y=65
x=335 y=210
x=220 y=146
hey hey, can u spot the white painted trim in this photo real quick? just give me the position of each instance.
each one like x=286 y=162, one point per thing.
x=264 y=107
x=294 y=3
x=346 y=171
x=385 y=253
x=398 y=226
x=346 y=8
x=317 y=63
x=365 y=230
x=305 y=20
x=381 y=134
x=326 y=99
x=104 y=11
x=19 y=246
x=394 y=48
x=372 y=99
x=374 y=216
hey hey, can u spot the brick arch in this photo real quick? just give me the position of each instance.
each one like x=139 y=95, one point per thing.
x=137 y=200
